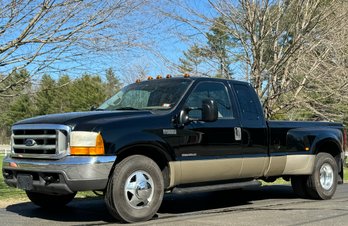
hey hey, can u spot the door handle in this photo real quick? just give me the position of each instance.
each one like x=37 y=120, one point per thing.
x=237 y=133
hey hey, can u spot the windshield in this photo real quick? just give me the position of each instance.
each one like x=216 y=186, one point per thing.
x=153 y=95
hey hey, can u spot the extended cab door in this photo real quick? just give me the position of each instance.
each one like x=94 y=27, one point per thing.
x=211 y=150
x=254 y=144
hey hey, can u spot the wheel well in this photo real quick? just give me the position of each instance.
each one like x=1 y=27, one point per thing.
x=329 y=147
x=333 y=149
x=152 y=152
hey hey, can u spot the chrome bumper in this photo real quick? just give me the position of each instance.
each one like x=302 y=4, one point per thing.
x=67 y=175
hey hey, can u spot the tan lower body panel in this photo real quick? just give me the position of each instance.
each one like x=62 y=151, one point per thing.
x=276 y=166
x=299 y=165
x=290 y=165
x=195 y=171
x=254 y=167
x=184 y=172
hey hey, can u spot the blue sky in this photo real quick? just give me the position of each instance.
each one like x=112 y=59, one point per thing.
x=165 y=47
x=161 y=43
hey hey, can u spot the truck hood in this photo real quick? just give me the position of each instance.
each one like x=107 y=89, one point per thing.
x=74 y=118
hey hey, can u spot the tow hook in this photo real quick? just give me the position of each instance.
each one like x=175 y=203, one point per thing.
x=50 y=180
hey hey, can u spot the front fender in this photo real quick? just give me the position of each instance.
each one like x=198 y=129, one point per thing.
x=130 y=140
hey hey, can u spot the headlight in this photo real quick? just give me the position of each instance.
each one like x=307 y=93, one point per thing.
x=86 y=143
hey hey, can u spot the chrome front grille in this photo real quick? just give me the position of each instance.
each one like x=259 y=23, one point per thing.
x=40 y=140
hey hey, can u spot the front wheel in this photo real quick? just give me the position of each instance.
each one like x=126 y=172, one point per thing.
x=49 y=201
x=135 y=189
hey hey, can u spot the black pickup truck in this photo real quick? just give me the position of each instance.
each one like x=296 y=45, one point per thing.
x=165 y=135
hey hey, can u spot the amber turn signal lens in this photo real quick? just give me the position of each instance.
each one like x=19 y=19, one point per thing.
x=98 y=149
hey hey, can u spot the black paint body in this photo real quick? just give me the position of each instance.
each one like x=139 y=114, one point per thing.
x=197 y=140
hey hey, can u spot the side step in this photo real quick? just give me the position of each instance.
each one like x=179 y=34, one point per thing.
x=216 y=187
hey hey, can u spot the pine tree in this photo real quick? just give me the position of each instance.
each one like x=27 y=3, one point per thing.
x=46 y=96
x=86 y=92
x=21 y=108
x=193 y=58
x=216 y=50
x=14 y=83
x=113 y=83
x=63 y=94
x=219 y=41
x=15 y=102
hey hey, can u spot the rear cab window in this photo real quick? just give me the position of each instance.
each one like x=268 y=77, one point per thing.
x=249 y=104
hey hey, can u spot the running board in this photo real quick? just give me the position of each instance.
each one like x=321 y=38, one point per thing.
x=216 y=187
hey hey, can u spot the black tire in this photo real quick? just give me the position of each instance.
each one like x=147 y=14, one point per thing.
x=49 y=201
x=144 y=195
x=325 y=168
x=299 y=185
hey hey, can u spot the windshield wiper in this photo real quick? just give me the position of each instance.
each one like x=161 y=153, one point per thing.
x=126 y=108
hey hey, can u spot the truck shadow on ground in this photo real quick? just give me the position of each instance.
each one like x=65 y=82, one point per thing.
x=193 y=202
x=94 y=210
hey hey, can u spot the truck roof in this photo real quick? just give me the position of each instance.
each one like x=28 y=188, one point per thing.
x=194 y=78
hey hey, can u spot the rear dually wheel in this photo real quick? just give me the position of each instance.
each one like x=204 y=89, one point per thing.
x=322 y=183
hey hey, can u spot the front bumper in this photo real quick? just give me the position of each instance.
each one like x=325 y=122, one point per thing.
x=64 y=176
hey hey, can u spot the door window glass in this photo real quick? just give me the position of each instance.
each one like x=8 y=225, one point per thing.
x=210 y=90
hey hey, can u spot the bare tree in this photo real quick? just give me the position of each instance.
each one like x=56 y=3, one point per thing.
x=322 y=72
x=56 y=35
x=136 y=71
x=271 y=36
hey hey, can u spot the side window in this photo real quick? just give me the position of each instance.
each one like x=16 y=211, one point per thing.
x=210 y=90
x=246 y=102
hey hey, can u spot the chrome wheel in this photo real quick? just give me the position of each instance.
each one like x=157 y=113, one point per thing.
x=139 y=189
x=135 y=189
x=326 y=176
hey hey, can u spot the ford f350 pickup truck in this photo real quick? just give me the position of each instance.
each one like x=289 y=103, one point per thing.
x=170 y=134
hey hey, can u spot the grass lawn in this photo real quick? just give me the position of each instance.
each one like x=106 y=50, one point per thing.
x=9 y=193
x=281 y=181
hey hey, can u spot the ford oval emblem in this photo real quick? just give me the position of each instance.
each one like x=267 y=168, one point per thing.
x=29 y=142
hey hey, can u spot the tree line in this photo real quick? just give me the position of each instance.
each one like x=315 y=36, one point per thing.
x=49 y=95
x=294 y=53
